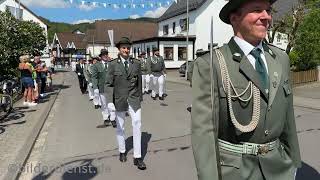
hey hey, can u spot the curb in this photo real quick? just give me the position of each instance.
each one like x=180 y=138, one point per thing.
x=26 y=149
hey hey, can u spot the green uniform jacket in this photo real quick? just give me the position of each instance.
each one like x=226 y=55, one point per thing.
x=277 y=119
x=158 y=68
x=145 y=65
x=122 y=87
x=98 y=76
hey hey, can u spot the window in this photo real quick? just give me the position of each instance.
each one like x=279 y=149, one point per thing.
x=16 y=12
x=183 y=24
x=165 y=29
x=168 y=53
x=182 y=53
x=148 y=51
x=173 y=27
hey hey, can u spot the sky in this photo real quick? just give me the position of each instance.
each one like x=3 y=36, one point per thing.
x=78 y=11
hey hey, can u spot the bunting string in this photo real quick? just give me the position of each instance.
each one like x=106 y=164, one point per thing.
x=125 y=4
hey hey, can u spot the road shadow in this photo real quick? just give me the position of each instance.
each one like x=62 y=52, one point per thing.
x=307 y=172
x=145 y=139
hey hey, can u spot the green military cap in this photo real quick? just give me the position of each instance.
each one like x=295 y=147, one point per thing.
x=123 y=40
x=103 y=52
x=231 y=6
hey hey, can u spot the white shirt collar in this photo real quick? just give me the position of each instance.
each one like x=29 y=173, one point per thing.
x=245 y=46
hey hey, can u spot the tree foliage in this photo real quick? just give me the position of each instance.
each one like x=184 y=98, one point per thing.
x=17 y=38
x=307 y=43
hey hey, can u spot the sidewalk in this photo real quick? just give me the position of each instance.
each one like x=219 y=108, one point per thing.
x=20 y=129
x=307 y=96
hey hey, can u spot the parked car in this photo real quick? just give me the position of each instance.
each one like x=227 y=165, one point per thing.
x=182 y=69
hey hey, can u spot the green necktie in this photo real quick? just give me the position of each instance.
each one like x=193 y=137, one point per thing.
x=126 y=66
x=260 y=67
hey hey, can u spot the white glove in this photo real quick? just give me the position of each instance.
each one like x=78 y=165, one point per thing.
x=90 y=84
x=111 y=107
x=165 y=75
x=96 y=91
x=79 y=74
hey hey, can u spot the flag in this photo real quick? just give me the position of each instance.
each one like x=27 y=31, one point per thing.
x=110 y=33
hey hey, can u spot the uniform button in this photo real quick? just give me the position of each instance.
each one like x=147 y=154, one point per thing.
x=266 y=132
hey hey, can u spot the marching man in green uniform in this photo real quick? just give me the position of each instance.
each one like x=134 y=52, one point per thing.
x=243 y=124
x=88 y=76
x=99 y=71
x=157 y=70
x=145 y=73
x=124 y=93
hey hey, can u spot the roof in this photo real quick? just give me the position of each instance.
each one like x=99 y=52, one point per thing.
x=69 y=37
x=180 y=8
x=283 y=7
x=133 y=30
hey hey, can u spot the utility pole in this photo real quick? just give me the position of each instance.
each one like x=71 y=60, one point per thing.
x=187 y=63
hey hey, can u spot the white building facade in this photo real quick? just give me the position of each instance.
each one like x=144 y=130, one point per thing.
x=173 y=25
x=21 y=12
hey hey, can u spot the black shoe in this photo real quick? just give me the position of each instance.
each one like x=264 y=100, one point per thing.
x=165 y=95
x=114 y=124
x=189 y=108
x=139 y=163
x=90 y=99
x=96 y=106
x=161 y=98
x=123 y=157
x=99 y=106
x=107 y=122
x=154 y=98
x=149 y=91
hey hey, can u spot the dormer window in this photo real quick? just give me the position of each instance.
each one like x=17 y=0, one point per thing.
x=165 y=29
x=183 y=24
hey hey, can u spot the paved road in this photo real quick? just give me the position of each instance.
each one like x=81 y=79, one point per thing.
x=74 y=145
x=74 y=138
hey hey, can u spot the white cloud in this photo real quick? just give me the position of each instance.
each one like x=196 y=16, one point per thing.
x=83 y=21
x=156 y=13
x=86 y=7
x=135 y=16
x=46 y=3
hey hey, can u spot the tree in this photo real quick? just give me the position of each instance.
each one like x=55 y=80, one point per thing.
x=17 y=38
x=307 y=44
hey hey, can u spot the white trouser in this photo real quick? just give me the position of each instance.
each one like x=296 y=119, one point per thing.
x=145 y=83
x=157 y=86
x=90 y=91
x=96 y=99
x=136 y=125
x=104 y=107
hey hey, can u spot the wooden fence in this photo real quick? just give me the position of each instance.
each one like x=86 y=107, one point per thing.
x=302 y=77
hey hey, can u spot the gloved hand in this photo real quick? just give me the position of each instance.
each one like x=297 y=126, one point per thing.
x=90 y=84
x=111 y=107
x=79 y=74
x=96 y=91
x=165 y=75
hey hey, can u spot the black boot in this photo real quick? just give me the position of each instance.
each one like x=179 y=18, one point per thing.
x=139 y=163
x=123 y=157
x=107 y=122
x=114 y=124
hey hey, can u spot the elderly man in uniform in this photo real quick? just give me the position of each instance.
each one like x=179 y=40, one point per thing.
x=157 y=69
x=99 y=70
x=88 y=76
x=243 y=124
x=145 y=76
x=124 y=87
x=80 y=70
